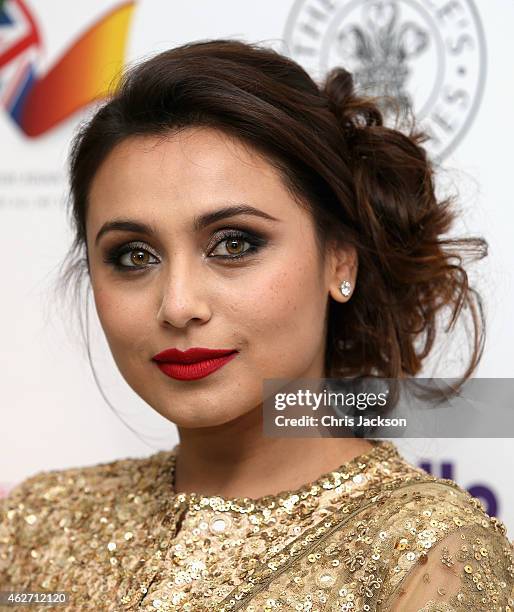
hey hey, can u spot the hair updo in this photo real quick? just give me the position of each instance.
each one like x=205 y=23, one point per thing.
x=363 y=183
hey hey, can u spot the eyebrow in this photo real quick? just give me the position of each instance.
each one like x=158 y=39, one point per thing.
x=200 y=222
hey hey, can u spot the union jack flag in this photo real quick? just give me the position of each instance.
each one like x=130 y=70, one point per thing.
x=19 y=49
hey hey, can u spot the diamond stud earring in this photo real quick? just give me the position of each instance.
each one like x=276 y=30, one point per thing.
x=346 y=288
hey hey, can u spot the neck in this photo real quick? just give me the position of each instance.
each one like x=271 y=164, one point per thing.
x=236 y=460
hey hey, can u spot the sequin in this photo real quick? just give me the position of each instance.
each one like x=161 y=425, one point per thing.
x=325 y=580
x=218 y=524
x=117 y=536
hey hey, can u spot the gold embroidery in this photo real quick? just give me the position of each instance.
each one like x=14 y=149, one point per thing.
x=368 y=536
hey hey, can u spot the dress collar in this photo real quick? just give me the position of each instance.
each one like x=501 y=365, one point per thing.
x=355 y=470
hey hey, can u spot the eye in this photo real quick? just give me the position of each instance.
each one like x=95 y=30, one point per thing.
x=131 y=257
x=231 y=245
x=138 y=257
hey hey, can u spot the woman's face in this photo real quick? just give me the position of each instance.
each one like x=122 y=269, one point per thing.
x=181 y=285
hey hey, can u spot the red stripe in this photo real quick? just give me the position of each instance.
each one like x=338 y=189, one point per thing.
x=32 y=38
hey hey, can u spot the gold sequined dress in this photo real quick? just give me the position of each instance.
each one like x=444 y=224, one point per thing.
x=376 y=534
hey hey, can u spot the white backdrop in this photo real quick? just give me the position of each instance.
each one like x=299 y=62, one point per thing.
x=458 y=69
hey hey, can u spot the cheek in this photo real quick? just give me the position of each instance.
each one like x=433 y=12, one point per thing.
x=123 y=316
x=282 y=315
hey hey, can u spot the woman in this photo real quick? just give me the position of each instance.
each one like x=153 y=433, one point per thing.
x=223 y=203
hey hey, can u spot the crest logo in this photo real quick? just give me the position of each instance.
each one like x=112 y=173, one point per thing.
x=430 y=56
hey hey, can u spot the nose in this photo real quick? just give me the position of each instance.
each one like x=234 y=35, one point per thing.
x=182 y=296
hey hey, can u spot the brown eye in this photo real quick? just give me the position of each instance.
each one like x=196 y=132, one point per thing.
x=131 y=257
x=234 y=245
x=139 y=257
x=134 y=258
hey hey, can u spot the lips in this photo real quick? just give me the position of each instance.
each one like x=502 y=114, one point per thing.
x=194 y=363
x=192 y=355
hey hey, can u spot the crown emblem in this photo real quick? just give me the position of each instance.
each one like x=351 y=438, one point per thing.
x=380 y=47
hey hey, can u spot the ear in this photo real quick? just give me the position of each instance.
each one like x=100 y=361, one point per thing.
x=343 y=266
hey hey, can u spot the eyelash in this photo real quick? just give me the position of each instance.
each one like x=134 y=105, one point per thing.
x=113 y=255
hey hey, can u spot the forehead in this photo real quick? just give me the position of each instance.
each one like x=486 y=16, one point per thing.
x=196 y=166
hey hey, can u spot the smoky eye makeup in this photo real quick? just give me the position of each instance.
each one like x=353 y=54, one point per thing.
x=229 y=244
x=145 y=256
x=228 y=237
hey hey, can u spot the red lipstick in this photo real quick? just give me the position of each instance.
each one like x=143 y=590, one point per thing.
x=194 y=363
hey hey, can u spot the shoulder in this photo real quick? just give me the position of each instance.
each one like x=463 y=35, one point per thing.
x=410 y=542
x=423 y=543
x=69 y=486
x=43 y=514
x=445 y=549
x=406 y=498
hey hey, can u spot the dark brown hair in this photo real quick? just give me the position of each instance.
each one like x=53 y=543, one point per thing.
x=364 y=184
